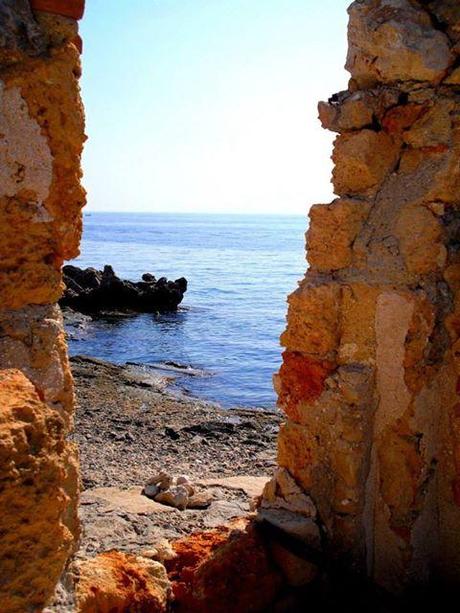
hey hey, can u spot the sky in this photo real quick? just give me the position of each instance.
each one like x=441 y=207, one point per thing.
x=210 y=105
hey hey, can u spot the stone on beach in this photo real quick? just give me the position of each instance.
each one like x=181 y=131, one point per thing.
x=177 y=492
x=175 y=496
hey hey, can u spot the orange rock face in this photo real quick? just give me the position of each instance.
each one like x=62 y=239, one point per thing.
x=395 y=41
x=34 y=460
x=362 y=160
x=116 y=582
x=301 y=380
x=312 y=318
x=226 y=570
x=40 y=204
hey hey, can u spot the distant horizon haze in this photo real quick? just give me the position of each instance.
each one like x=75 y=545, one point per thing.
x=87 y=211
x=210 y=107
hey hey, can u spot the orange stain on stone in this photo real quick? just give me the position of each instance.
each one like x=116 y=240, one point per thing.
x=302 y=379
x=435 y=148
x=117 y=582
x=67 y=8
x=401 y=118
x=223 y=570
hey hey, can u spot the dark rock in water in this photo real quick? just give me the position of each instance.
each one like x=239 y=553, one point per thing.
x=95 y=291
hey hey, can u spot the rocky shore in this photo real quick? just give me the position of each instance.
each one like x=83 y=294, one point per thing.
x=130 y=427
x=99 y=291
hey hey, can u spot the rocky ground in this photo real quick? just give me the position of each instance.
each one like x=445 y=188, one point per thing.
x=129 y=427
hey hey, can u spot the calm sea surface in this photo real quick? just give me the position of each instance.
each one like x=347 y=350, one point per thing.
x=240 y=269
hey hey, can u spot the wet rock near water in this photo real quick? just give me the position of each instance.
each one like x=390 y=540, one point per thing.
x=94 y=291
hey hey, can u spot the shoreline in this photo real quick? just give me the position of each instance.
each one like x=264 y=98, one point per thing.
x=87 y=334
x=129 y=426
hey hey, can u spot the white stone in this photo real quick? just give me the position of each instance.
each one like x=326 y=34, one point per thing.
x=25 y=157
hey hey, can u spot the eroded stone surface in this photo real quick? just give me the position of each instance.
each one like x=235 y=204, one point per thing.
x=19 y=31
x=41 y=137
x=32 y=340
x=35 y=523
x=370 y=378
x=40 y=210
x=395 y=40
x=116 y=582
x=362 y=160
x=25 y=158
x=332 y=232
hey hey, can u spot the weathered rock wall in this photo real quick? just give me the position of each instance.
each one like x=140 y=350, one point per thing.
x=370 y=376
x=41 y=137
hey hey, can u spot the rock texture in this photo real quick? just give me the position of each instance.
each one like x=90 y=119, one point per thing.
x=370 y=377
x=95 y=291
x=228 y=569
x=36 y=526
x=41 y=137
x=369 y=453
x=116 y=582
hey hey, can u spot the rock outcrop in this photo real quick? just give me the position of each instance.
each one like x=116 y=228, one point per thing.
x=95 y=291
x=369 y=381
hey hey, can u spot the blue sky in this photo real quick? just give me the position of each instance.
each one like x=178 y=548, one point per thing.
x=210 y=105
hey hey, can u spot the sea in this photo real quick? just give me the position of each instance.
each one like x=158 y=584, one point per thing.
x=222 y=345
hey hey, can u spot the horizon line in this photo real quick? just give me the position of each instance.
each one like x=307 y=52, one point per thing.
x=255 y=214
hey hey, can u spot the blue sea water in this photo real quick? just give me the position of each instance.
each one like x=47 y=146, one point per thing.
x=240 y=269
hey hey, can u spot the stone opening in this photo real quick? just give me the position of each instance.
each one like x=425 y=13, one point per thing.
x=368 y=475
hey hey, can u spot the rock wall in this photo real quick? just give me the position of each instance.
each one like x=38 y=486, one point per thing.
x=41 y=137
x=370 y=378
